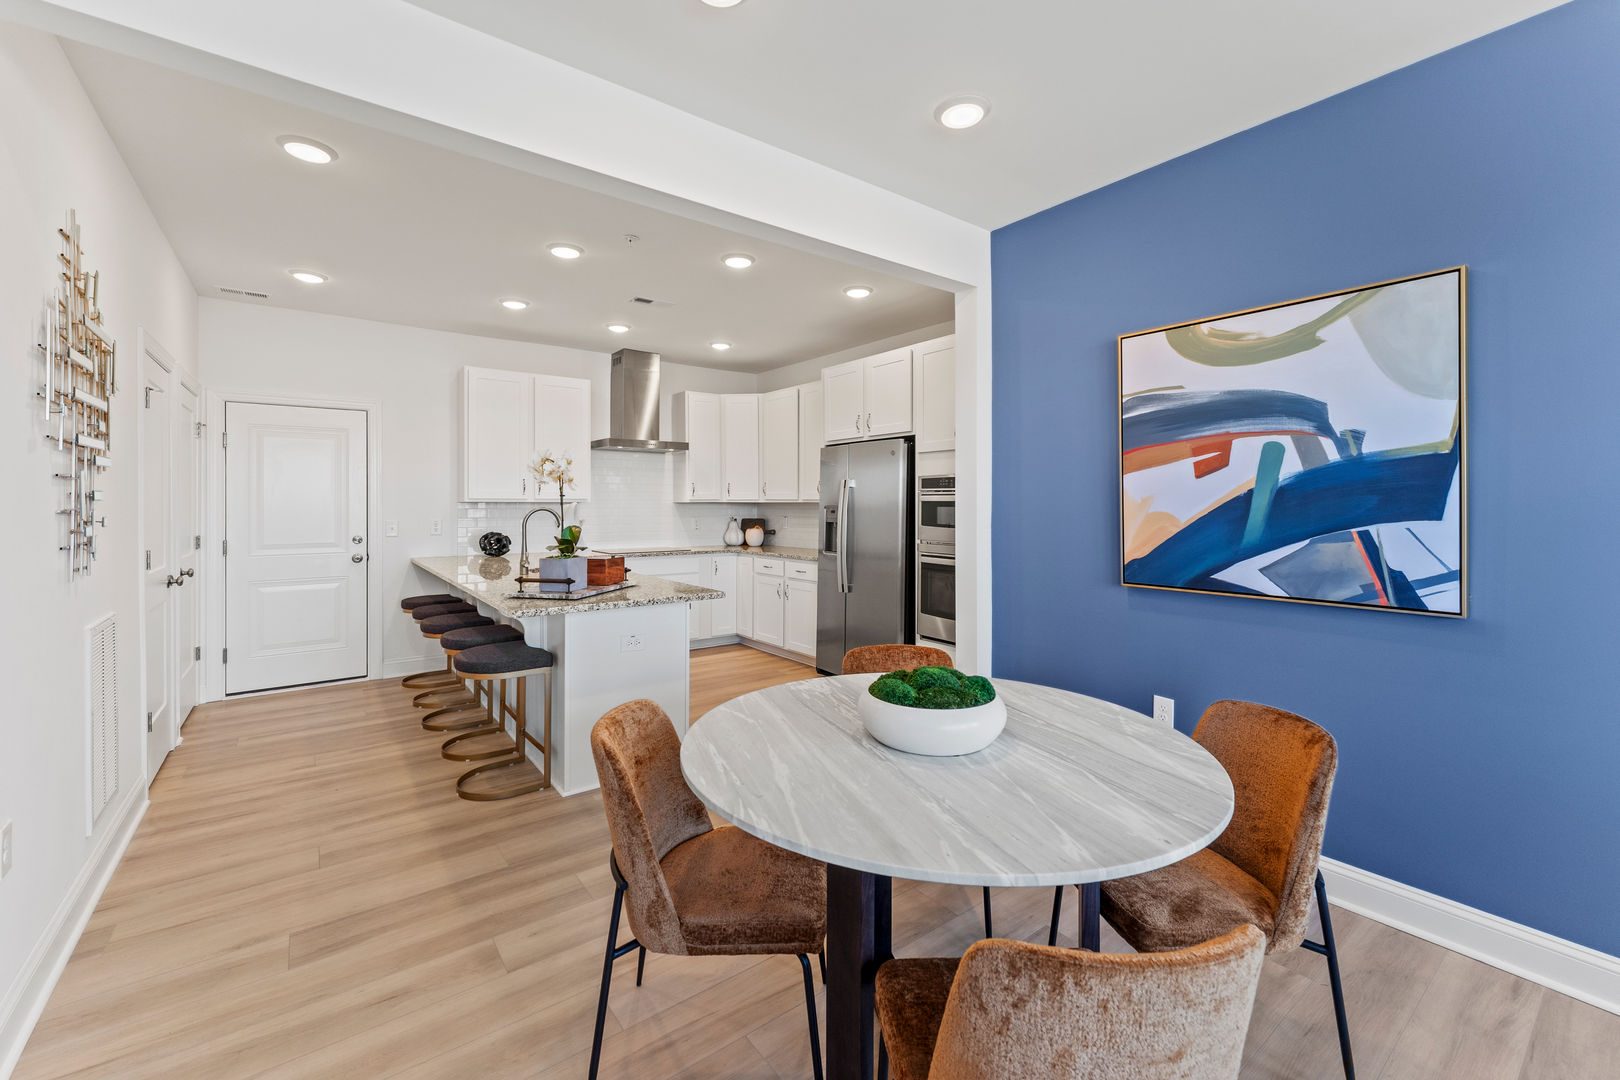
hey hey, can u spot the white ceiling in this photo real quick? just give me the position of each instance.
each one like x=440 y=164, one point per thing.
x=417 y=235
x=1082 y=93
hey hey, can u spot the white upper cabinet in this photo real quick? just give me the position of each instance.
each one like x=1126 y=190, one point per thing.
x=506 y=417
x=934 y=406
x=739 y=445
x=779 y=444
x=697 y=423
x=843 y=401
x=562 y=425
x=887 y=378
x=868 y=398
x=810 y=441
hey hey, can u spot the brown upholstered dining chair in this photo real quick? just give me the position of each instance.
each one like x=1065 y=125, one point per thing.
x=1262 y=869
x=882 y=659
x=1035 y=1012
x=688 y=888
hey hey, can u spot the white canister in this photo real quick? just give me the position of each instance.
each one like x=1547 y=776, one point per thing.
x=755 y=536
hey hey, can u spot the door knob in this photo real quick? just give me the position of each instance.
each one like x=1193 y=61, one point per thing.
x=173 y=581
x=357 y=558
x=358 y=539
x=189 y=572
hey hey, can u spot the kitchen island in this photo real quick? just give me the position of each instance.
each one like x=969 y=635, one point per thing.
x=610 y=648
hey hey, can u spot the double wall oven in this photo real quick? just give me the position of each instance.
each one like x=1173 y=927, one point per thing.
x=936 y=558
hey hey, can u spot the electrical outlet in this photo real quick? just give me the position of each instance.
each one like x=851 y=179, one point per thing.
x=5 y=849
x=390 y=528
x=1164 y=710
x=631 y=643
x=438 y=527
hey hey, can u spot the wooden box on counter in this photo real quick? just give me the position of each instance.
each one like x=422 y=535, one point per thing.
x=604 y=570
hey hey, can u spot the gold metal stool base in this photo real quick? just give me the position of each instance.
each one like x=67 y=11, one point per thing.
x=500 y=780
x=448 y=697
x=456 y=718
x=438 y=679
x=478 y=744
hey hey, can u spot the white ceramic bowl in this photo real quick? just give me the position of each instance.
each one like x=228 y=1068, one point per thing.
x=935 y=732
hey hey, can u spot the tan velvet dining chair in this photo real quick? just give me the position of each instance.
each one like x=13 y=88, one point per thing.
x=1263 y=868
x=1009 y=1009
x=688 y=888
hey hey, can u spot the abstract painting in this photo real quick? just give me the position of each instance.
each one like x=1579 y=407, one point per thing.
x=1309 y=450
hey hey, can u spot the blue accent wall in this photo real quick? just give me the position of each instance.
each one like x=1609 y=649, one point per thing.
x=1479 y=758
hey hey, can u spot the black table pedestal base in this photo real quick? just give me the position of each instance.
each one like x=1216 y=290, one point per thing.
x=859 y=938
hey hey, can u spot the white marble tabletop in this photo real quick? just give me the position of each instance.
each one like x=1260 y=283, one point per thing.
x=492 y=581
x=1074 y=790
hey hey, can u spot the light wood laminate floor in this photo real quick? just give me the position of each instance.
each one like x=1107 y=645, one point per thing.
x=308 y=898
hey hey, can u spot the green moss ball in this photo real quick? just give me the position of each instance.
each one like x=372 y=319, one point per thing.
x=894 y=691
x=926 y=677
x=942 y=697
x=979 y=687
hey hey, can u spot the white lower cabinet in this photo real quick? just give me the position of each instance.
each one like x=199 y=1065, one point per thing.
x=722 y=612
x=784 y=605
x=772 y=601
x=708 y=618
x=769 y=601
x=799 y=629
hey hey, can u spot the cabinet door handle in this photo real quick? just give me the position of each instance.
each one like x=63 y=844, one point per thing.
x=728 y=490
x=869 y=423
x=694 y=489
x=857 y=423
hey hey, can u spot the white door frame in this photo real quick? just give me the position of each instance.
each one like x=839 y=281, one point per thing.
x=201 y=582
x=214 y=402
x=148 y=346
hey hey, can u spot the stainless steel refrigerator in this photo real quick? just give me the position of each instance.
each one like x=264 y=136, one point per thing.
x=864 y=586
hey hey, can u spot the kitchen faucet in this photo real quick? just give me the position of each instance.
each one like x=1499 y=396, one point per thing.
x=523 y=538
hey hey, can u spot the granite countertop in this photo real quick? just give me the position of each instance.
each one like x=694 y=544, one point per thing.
x=767 y=552
x=491 y=581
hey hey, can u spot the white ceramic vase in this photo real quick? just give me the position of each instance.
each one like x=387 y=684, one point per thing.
x=934 y=732
x=734 y=534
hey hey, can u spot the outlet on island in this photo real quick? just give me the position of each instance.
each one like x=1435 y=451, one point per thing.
x=631 y=643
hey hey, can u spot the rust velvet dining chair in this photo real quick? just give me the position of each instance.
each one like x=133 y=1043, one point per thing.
x=687 y=887
x=1262 y=869
x=1009 y=1009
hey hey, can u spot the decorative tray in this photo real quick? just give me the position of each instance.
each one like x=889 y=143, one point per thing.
x=577 y=594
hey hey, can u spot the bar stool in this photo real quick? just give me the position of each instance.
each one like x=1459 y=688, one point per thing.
x=456 y=696
x=514 y=774
x=438 y=677
x=475 y=719
x=439 y=605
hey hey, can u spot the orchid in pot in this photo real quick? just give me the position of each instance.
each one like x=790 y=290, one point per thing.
x=566 y=570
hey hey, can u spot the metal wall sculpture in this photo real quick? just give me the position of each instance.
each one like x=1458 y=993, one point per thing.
x=81 y=375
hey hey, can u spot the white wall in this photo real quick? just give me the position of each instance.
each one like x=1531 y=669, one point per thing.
x=55 y=155
x=414 y=375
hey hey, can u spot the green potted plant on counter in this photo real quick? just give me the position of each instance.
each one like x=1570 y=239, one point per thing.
x=936 y=711
x=565 y=571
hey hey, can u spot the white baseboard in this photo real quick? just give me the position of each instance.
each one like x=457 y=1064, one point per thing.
x=401 y=666
x=25 y=1001
x=1564 y=966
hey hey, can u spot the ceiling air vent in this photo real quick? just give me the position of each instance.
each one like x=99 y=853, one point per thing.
x=252 y=296
x=647 y=301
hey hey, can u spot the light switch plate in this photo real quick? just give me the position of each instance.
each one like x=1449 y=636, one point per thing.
x=390 y=528
x=438 y=527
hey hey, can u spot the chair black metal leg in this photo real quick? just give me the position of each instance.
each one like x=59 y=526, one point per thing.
x=987 y=931
x=810 y=1008
x=641 y=963
x=1057 y=913
x=883 y=1058
x=607 y=977
x=1331 y=951
x=822 y=956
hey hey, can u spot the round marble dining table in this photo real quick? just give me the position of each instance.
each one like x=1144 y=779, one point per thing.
x=1074 y=791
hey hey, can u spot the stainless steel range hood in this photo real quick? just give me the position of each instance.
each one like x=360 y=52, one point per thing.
x=633 y=405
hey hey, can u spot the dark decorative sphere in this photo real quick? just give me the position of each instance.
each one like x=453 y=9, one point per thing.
x=494 y=543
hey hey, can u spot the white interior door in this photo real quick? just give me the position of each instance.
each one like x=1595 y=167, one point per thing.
x=185 y=532
x=160 y=581
x=296 y=545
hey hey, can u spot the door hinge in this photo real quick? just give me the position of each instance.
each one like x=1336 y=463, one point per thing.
x=149 y=723
x=146 y=403
x=224 y=656
x=225 y=439
x=196 y=542
x=196 y=652
x=149 y=560
x=224 y=547
x=197 y=431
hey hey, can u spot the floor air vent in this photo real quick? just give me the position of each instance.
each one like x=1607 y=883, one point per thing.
x=101 y=713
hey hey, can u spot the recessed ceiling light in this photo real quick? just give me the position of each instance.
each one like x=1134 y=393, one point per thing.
x=307 y=149
x=858 y=292
x=722 y=3
x=308 y=277
x=738 y=261
x=566 y=251
x=719 y=346
x=619 y=327
x=961 y=112
x=514 y=304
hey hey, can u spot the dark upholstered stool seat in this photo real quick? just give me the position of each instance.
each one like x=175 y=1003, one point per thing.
x=911 y=996
x=428 y=611
x=504 y=658
x=735 y=894
x=443 y=624
x=411 y=603
x=470 y=637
